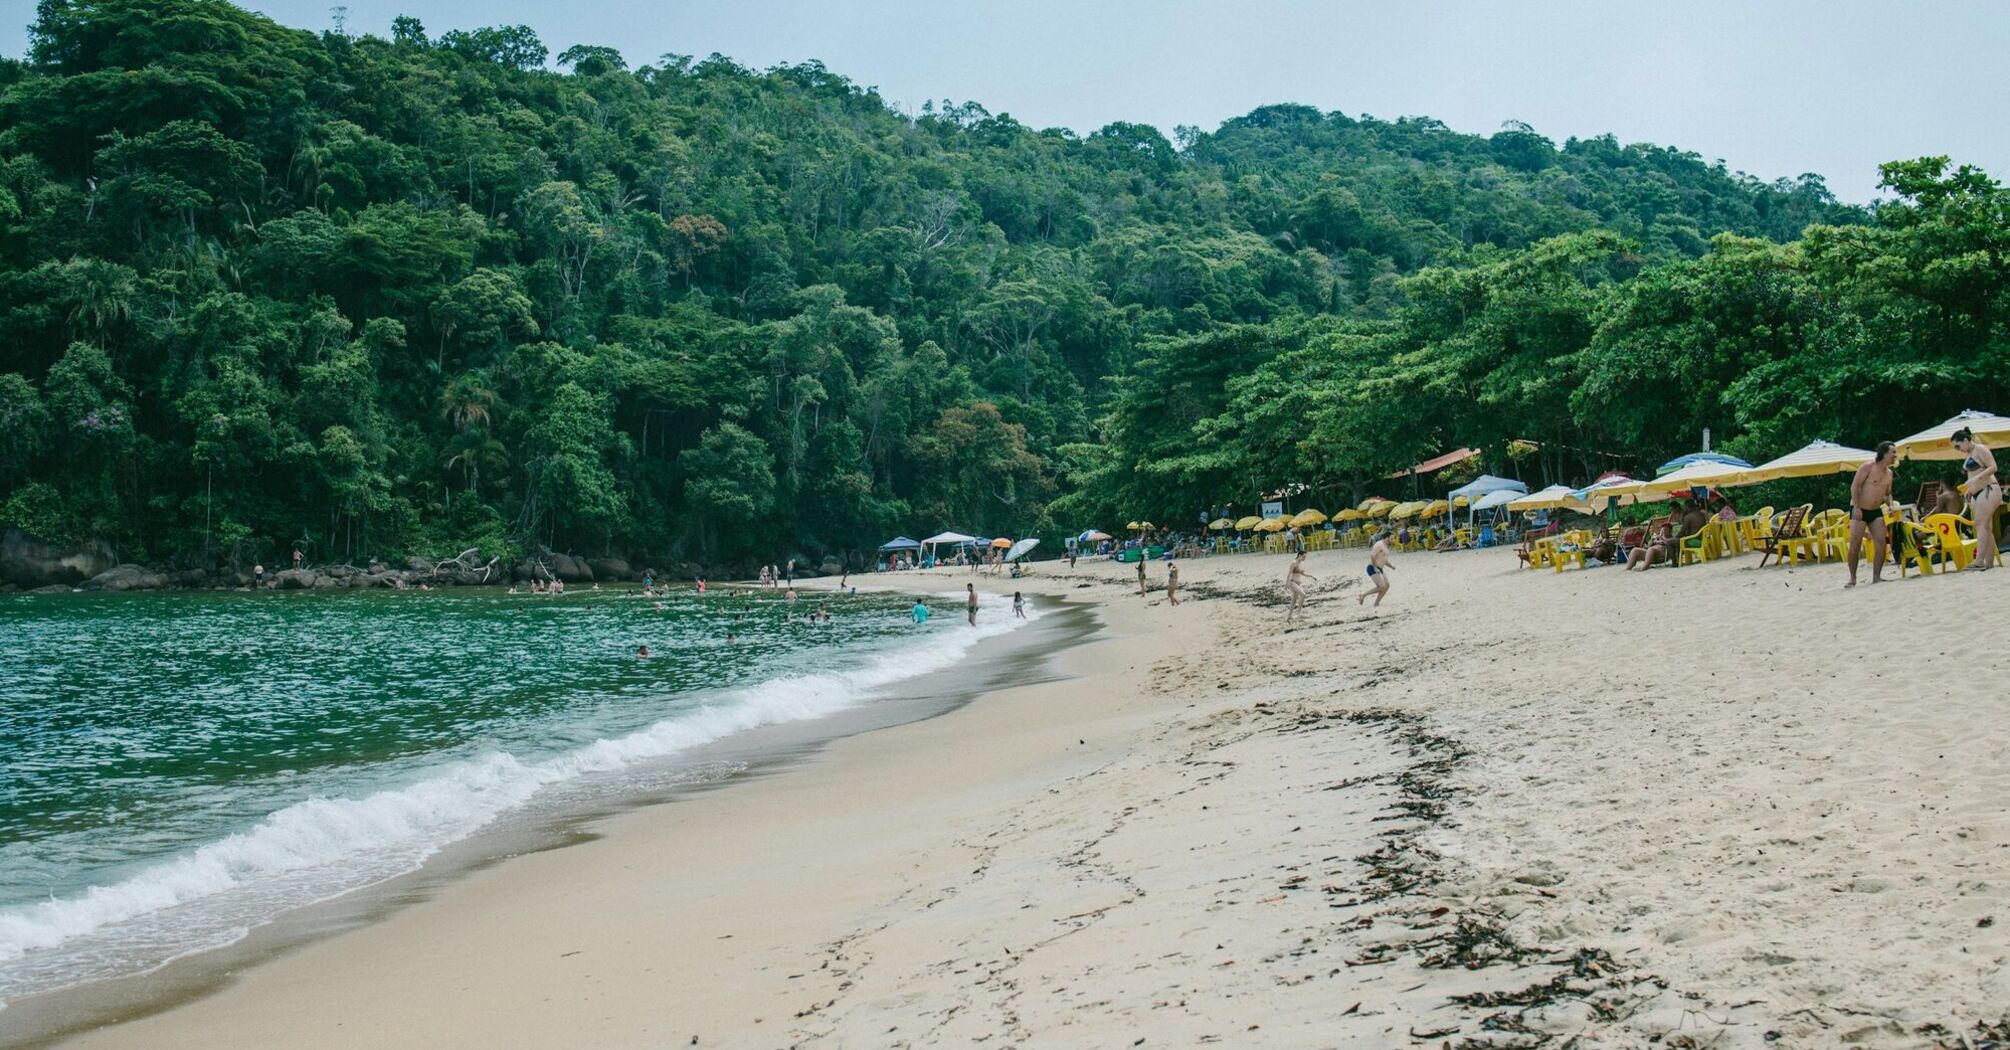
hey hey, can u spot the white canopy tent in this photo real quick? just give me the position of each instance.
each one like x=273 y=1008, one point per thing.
x=1484 y=485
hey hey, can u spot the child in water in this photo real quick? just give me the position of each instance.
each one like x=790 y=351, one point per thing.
x=1018 y=605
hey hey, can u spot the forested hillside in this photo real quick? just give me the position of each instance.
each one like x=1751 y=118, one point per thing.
x=261 y=286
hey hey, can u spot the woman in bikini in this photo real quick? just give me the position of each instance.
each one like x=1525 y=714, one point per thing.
x=1985 y=494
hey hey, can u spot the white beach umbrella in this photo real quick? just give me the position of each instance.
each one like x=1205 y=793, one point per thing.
x=1553 y=496
x=1021 y=549
x=1703 y=474
x=1937 y=442
x=1811 y=460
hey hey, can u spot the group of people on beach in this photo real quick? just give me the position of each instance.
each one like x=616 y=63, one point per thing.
x=1870 y=496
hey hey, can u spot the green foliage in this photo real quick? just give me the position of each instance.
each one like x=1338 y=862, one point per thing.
x=260 y=286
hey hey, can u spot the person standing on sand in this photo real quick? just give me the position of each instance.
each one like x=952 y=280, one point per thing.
x=1294 y=586
x=1172 y=583
x=1985 y=495
x=1141 y=574
x=972 y=588
x=1869 y=491
x=1378 y=570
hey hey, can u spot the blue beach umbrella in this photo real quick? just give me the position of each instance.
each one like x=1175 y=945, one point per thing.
x=1698 y=457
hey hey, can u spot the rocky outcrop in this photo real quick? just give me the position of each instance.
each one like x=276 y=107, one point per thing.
x=610 y=569
x=831 y=566
x=570 y=569
x=29 y=562
x=127 y=577
x=295 y=579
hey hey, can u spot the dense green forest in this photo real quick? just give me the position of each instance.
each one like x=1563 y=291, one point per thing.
x=261 y=286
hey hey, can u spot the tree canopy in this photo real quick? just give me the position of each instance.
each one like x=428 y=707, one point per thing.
x=261 y=286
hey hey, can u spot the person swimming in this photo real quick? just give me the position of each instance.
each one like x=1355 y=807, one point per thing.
x=642 y=652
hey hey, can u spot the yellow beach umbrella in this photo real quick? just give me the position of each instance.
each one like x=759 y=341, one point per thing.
x=1219 y=524
x=1350 y=514
x=1435 y=508
x=1372 y=502
x=1130 y=524
x=1307 y=517
x=1270 y=525
x=1379 y=510
x=1938 y=442
x=1816 y=458
x=1249 y=522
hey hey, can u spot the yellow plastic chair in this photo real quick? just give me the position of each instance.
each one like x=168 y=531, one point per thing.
x=1920 y=550
x=1699 y=546
x=1959 y=549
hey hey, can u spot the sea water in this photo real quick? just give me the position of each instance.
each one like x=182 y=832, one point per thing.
x=177 y=769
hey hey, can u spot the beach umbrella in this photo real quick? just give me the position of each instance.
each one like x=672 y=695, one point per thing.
x=1379 y=510
x=1270 y=525
x=1496 y=499
x=1553 y=496
x=1021 y=549
x=1001 y=543
x=1597 y=495
x=1699 y=457
x=1371 y=502
x=1704 y=474
x=1249 y=522
x=1306 y=518
x=1436 y=507
x=1813 y=459
x=1220 y=524
x=1143 y=525
x=1092 y=536
x=1937 y=442
x=1130 y=525
x=1350 y=514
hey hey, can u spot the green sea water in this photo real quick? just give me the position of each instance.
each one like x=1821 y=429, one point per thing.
x=175 y=769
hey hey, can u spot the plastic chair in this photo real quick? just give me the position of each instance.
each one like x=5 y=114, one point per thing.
x=1958 y=548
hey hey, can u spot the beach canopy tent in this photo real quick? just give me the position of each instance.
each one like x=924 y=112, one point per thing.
x=947 y=537
x=1703 y=474
x=1221 y=524
x=1021 y=549
x=1306 y=518
x=1813 y=459
x=1484 y=485
x=1937 y=442
x=1549 y=498
x=1249 y=522
x=1092 y=536
x=900 y=543
x=1698 y=457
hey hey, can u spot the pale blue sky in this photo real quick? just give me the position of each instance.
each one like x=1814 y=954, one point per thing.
x=1773 y=87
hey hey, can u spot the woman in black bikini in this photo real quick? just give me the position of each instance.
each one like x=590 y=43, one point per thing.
x=1985 y=494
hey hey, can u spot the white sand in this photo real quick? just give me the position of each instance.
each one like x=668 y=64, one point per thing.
x=1717 y=806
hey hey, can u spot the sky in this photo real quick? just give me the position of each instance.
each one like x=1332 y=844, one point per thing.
x=1772 y=87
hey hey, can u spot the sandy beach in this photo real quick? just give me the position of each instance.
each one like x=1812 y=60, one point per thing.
x=1714 y=806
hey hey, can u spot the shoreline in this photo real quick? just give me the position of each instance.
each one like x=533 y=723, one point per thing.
x=1488 y=814
x=48 y=1017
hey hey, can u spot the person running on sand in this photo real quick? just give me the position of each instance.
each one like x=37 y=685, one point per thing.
x=1018 y=605
x=1172 y=583
x=972 y=588
x=1985 y=495
x=1294 y=586
x=1378 y=570
x=1869 y=491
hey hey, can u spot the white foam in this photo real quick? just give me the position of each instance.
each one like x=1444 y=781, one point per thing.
x=326 y=846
